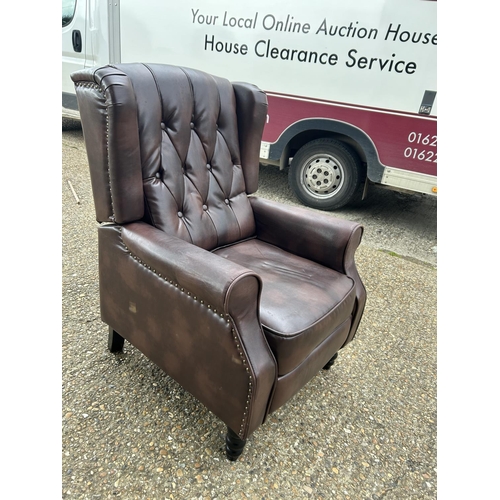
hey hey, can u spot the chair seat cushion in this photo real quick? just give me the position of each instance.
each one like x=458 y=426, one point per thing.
x=302 y=302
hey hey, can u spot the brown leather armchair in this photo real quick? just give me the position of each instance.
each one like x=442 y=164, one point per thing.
x=241 y=300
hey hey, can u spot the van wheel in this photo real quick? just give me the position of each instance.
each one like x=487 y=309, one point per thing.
x=326 y=174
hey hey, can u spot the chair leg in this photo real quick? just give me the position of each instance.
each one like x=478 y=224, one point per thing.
x=331 y=362
x=234 y=445
x=115 y=341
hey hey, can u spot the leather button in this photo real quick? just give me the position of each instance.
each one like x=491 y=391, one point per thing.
x=205 y=207
x=163 y=126
x=226 y=201
x=180 y=214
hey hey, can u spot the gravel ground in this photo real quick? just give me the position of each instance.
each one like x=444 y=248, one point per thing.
x=365 y=430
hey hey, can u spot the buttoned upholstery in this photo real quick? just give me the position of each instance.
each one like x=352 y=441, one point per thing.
x=185 y=120
x=240 y=299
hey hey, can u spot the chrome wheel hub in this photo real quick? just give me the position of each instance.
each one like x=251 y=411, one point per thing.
x=323 y=176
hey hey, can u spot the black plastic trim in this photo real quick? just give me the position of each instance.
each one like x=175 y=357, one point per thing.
x=375 y=170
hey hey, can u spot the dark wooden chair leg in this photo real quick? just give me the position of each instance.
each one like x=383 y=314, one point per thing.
x=115 y=341
x=234 y=445
x=331 y=362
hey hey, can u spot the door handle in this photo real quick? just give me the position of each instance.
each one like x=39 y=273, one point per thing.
x=77 y=40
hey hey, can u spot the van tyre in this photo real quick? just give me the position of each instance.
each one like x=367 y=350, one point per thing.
x=326 y=174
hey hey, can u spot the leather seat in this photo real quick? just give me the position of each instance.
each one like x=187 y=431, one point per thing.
x=288 y=283
x=241 y=300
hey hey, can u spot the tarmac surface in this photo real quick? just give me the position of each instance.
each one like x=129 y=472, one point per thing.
x=365 y=430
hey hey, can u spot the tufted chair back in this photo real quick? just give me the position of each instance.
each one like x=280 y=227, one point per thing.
x=174 y=147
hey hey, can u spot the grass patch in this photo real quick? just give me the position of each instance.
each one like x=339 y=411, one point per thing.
x=411 y=259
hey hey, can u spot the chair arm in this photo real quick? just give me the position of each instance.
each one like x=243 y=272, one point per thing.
x=319 y=237
x=201 y=273
x=194 y=314
x=329 y=241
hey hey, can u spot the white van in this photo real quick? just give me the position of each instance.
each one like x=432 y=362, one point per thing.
x=351 y=85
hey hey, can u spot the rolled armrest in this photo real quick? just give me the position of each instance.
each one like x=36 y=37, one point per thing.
x=193 y=313
x=201 y=273
x=314 y=236
x=327 y=240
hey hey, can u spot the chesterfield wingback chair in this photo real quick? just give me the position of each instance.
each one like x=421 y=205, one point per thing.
x=239 y=299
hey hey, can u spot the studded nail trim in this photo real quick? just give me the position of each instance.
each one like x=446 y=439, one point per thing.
x=94 y=86
x=250 y=387
x=234 y=335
